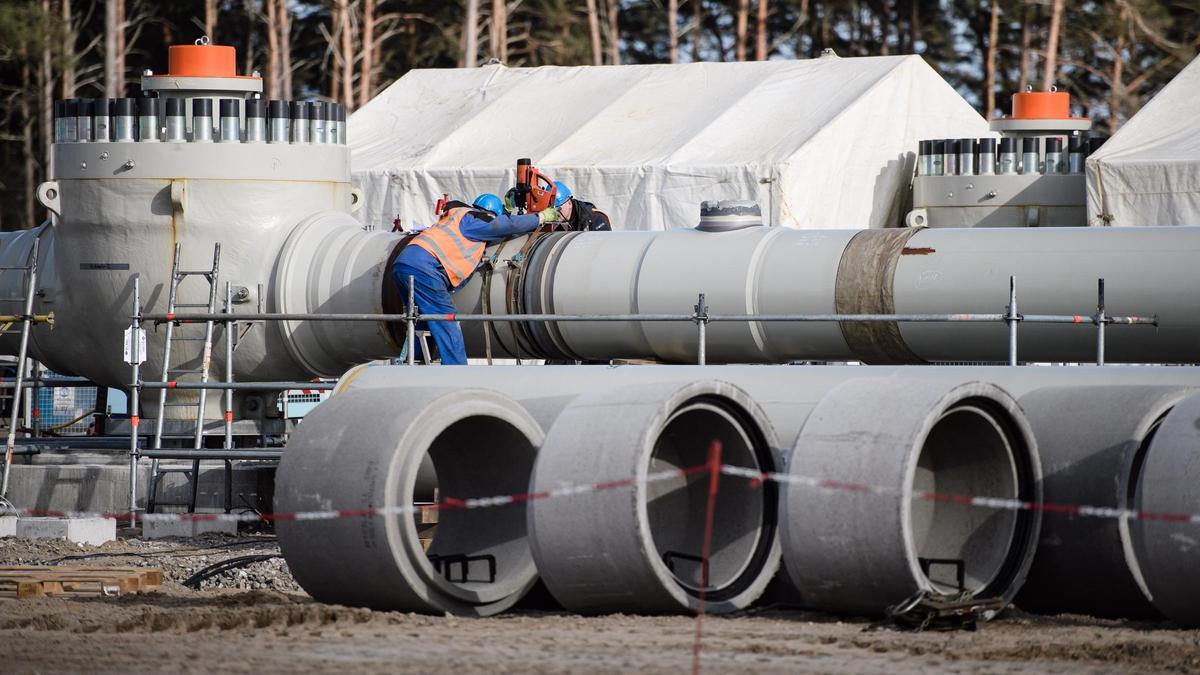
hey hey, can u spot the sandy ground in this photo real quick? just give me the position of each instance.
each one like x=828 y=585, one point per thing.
x=272 y=627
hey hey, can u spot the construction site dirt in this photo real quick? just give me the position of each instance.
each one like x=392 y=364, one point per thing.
x=255 y=619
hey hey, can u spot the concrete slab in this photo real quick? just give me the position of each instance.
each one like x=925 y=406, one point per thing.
x=58 y=482
x=8 y=526
x=158 y=529
x=93 y=531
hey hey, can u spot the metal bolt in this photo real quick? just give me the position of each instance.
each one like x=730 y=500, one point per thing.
x=991 y=194
x=949 y=195
x=970 y=186
x=128 y=164
x=83 y=165
x=103 y=156
x=147 y=73
x=255 y=74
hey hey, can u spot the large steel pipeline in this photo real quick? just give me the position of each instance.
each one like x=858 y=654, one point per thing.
x=785 y=394
x=1167 y=547
x=1091 y=440
x=779 y=271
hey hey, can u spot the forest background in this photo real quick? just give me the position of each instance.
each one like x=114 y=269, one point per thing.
x=1111 y=55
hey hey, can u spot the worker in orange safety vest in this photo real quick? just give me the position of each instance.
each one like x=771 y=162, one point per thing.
x=445 y=255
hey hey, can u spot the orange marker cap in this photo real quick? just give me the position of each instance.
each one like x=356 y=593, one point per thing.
x=202 y=61
x=1039 y=105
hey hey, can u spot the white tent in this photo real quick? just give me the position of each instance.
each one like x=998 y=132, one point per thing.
x=1148 y=173
x=824 y=143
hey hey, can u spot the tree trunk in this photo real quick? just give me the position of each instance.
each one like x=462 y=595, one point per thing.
x=1116 y=98
x=332 y=66
x=673 y=30
x=593 y=18
x=614 y=32
x=806 y=23
x=760 y=30
x=112 y=26
x=366 y=73
x=250 y=53
x=122 y=49
x=499 y=37
x=27 y=155
x=914 y=24
x=347 y=62
x=285 y=49
x=68 y=51
x=274 y=76
x=1050 y=68
x=1026 y=39
x=989 y=80
x=210 y=20
x=885 y=29
x=46 y=99
x=741 y=23
x=471 y=35
x=698 y=32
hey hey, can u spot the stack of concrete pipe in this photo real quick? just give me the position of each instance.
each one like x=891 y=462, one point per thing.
x=1122 y=437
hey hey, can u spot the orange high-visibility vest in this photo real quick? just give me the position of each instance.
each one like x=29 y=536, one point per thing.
x=458 y=255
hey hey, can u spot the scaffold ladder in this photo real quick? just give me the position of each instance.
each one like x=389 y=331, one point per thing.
x=170 y=374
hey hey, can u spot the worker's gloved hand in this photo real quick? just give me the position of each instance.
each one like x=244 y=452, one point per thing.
x=510 y=201
x=549 y=215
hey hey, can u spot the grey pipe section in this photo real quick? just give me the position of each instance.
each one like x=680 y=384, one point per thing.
x=1090 y=439
x=863 y=551
x=604 y=551
x=786 y=393
x=469 y=442
x=1168 y=548
x=767 y=270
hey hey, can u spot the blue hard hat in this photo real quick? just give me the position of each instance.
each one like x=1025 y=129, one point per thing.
x=489 y=202
x=561 y=193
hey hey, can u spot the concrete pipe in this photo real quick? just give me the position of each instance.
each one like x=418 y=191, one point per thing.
x=638 y=549
x=1165 y=482
x=1090 y=440
x=859 y=551
x=786 y=393
x=361 y=450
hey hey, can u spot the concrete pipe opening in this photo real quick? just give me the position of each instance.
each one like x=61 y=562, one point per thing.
x=640 y=548
x=676 y=507
x=1094 y=443
x=959 y=547
x=480 y=555
x=391 y=449
x=909 y=452
x=1165 y=549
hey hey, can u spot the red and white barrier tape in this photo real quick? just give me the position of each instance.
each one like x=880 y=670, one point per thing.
x=996 y=503
x=450 y=503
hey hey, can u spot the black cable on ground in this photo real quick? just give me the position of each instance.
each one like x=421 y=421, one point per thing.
x=159 y=554
x=193 y=582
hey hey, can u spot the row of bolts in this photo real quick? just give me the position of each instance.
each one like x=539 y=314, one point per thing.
x=978 y=156
x=125 y=120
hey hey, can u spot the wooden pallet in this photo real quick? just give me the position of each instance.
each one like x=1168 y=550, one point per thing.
x=35 y=581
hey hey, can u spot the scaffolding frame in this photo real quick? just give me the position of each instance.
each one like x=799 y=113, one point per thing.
x=700 y=316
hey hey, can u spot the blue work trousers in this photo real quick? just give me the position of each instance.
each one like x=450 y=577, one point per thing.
x=432 y=294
